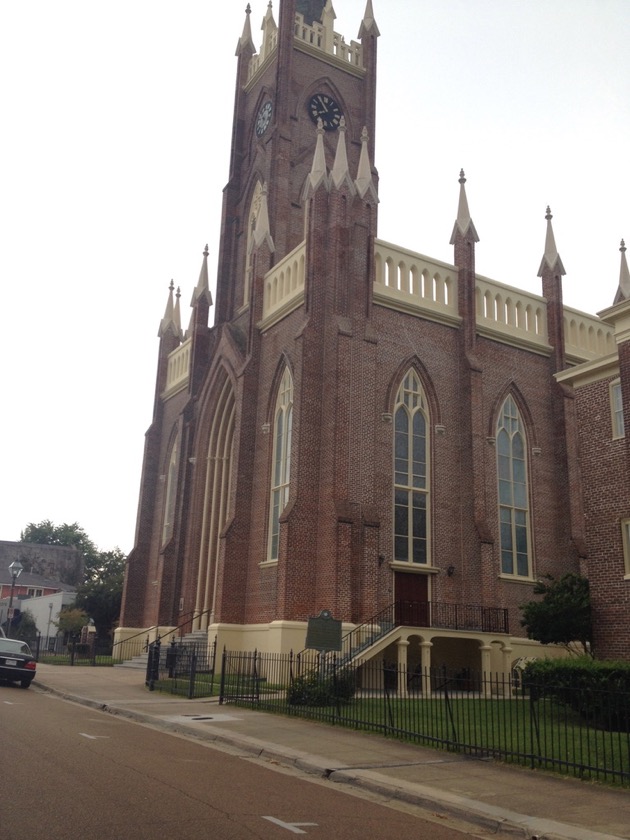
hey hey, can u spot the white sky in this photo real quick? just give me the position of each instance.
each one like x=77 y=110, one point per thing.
x=116 y=123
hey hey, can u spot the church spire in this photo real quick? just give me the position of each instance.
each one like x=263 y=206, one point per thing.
x=364 y=182
x=318 y=174
x=368 y=24
x=551 y=257
x=340 y=173
x=171 y=322
x=246 y=41
x=202 y=289
x=623 y=292
x=464 y=224
x=269 y=30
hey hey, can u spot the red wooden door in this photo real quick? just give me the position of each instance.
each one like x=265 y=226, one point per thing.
x=412 y=599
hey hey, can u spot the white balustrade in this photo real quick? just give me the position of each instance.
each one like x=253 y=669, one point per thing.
x=178 y=367
x=284 y=286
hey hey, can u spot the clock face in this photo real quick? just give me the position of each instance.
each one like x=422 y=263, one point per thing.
x=263 y=119
x=321 y=106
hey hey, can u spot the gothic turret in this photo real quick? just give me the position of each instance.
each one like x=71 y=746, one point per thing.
x=340 y=174
x=551 y=271
x=365 y=182
x=623 y=292
x=170 y=325
x=464 y=239
x=198 y=327
x=318 y=176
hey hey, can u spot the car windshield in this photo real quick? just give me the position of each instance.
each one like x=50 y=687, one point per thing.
x=14 y=646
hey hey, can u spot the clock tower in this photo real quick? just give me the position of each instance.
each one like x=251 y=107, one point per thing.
x=271 y=520
x=303 y=72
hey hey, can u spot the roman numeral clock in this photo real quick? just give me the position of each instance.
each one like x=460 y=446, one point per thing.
x=321 y=106
x=263 y=119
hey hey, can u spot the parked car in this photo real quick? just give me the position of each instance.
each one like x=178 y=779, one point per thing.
x=17 y=663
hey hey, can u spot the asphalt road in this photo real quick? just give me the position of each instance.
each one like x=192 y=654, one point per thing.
x=72 y=772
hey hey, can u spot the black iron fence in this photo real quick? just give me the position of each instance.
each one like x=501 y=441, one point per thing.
x=182 y=667
x=480 y=714
x=92 y=650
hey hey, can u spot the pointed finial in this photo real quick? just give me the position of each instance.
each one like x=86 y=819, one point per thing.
x=318 y=175
x=623 y=291
x=262 y=229
x=170 y=321
x=368 y=24
x=245 y=42
x=340 y=172
x=463 y=223
x=364 y=182
x=551 y=258
x=202 y=289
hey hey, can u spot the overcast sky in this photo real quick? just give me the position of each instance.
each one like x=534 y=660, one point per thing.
x=116 y=122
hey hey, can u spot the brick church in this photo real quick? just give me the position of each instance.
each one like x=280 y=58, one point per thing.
x=364 y=429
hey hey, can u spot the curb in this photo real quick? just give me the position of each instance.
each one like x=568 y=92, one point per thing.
x=501 y=822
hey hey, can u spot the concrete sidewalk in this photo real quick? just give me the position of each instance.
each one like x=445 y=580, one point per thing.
x=506 y=800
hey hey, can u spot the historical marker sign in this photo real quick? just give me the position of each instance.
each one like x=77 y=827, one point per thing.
x=323 y=632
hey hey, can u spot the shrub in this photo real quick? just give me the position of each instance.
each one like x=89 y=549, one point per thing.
x=598 y=691
x=322 y=689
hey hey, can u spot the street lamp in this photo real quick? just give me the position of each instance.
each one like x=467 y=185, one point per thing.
x=15 y=569
x=50 y=608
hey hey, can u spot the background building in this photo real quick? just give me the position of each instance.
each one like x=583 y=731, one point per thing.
x=45 y=575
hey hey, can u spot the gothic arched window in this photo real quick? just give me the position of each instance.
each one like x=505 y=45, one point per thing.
x=513 y=492
x=411 y=472
x=281 y=465
x=216 y=503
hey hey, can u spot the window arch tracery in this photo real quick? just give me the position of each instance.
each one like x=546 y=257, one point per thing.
x=411 y=472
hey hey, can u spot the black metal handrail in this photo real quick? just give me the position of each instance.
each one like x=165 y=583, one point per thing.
x=430 y=614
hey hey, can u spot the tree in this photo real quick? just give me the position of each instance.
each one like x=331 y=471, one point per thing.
x=101 y=595
x=23 y=626
x=563 y=615
x=47 y=533
x=72 y=621
x=100 y=592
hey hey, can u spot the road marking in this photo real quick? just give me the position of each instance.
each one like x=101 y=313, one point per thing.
x=10 y=703
x=93 y=737
x=292 y=827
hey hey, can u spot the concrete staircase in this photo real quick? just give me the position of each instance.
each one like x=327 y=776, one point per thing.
x=198 y=638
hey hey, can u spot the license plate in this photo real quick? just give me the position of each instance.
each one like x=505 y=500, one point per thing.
x=10 y=661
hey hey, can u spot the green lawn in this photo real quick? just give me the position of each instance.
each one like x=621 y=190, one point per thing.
x=543 y=734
